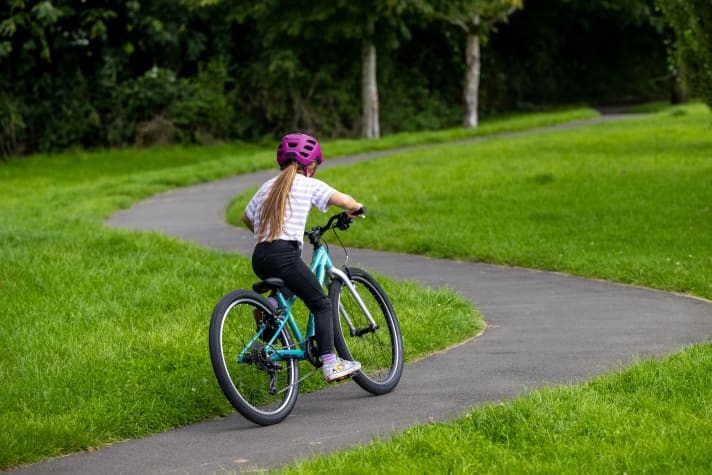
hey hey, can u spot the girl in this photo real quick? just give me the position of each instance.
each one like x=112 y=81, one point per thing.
x=277 y=216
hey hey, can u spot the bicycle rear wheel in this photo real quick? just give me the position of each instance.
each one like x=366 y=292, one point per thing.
x=262 y=390
x=379 y=350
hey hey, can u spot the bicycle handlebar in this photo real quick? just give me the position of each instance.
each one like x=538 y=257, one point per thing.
x=341 y=220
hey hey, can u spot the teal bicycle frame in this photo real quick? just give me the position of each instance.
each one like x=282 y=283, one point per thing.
x=321 y=265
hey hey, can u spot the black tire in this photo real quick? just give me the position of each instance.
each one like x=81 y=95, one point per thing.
x=246 y=384
x=380 y=352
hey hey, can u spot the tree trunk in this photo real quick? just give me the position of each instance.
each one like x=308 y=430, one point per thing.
x=369 y=88
x=472 y=79
x=679 y=92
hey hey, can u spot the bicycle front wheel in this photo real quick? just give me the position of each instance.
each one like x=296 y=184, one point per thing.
x=379 y=347
x=262 y=390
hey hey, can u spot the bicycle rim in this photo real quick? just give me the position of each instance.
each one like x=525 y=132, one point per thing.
x=261 y=390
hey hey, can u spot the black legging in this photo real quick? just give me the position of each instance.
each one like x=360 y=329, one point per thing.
x=283 y=259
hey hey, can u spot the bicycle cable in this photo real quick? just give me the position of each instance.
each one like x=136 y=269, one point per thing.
x=341 y=243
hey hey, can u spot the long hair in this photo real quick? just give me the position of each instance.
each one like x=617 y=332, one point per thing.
x=275 y=205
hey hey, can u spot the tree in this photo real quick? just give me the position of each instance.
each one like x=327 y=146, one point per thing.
x=691 y=20
x=370 y=122
x=477 y=18
x=379 y=19
x=47 y=52
x=326 y=22
x=123 y=72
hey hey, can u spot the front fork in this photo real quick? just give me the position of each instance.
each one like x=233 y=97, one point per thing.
x=373 y=326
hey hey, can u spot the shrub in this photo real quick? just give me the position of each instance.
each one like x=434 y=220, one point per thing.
x=12 y=126
x=691 y=22
x=204 y=113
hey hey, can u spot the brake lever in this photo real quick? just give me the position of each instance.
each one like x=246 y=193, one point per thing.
x=344 y=221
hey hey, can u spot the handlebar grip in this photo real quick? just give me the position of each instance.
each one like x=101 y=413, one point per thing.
x=359 y=212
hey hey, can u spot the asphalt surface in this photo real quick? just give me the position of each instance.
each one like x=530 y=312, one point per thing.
x=543 y=329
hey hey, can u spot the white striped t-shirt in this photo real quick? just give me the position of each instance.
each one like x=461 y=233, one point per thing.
x=305 y=193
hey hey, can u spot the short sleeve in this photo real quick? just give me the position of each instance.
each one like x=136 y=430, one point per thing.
x=322 y=194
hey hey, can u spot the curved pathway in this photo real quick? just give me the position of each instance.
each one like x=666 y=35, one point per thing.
x=544 y=329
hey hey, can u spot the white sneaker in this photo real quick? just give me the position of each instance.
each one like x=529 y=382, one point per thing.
x=339 y=369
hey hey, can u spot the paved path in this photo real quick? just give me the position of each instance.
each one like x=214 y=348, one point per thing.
x=544 y=328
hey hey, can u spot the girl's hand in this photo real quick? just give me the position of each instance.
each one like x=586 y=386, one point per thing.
x=359 y=213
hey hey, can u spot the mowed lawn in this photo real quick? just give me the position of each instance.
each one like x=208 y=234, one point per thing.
x=628 y=201
x=103 y=332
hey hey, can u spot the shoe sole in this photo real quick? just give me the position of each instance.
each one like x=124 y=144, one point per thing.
x=341 y=378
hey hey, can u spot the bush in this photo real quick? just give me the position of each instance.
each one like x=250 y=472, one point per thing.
x=12 y=126
x=204 y=113
x=691 y=23
x=70 y=121
x=138 y=102
x=161 y=108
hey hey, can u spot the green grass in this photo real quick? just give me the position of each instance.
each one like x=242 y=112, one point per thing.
x=655 y=417
x=498 y=125
x=628 y=201
x=104 y=331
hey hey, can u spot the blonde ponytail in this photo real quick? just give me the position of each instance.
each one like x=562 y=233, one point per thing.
x=275 y=205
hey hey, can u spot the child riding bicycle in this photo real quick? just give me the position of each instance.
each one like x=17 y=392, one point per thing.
x=277 y=216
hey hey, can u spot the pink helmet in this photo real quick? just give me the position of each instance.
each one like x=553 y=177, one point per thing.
x=300 y=147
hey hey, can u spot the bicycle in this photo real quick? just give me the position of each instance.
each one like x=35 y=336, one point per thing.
x=256 y=348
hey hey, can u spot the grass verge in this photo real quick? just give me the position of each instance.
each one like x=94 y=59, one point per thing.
x=655 y=417
x=627 y=201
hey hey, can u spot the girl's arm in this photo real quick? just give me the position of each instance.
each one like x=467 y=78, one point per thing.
x=344 y=201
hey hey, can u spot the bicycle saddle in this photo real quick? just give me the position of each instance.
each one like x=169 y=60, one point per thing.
x=271 y=283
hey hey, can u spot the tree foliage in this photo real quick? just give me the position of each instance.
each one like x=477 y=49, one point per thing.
x=475 y=16
x=603 y=52
x=124 y=72
x=691 y=21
